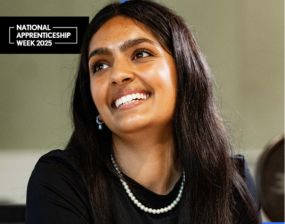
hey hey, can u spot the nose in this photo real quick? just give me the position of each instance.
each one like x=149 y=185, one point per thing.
x=121 y=73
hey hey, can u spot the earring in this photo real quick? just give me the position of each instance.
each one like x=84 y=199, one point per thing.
x=99 y=121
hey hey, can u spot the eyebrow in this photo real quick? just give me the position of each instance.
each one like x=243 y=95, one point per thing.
x=123 y=47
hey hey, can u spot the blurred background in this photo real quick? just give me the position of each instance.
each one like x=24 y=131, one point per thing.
x=243 y=41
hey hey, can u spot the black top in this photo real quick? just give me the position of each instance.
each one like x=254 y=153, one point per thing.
x=57 y=194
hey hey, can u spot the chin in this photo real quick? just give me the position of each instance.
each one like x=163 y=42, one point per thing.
x=129 y=127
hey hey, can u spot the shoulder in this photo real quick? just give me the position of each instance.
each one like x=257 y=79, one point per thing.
x=242 y=167
x=56 y=156
x=243 y=170
x=240 y=163
x=56 y=187
x=55 y=165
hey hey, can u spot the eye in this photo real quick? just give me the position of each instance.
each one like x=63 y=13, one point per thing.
x=99 y=66
x=141 y=53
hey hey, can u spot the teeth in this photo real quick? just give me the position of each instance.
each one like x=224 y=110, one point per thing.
x=129 y=98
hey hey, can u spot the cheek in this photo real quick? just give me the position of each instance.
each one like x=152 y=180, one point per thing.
x=159 y=74
x=97 y=94
x=167 y=85
x=166 y=79
x=170 y=75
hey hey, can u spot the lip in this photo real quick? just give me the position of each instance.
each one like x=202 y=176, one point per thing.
x=125 y=93
x=130 y=105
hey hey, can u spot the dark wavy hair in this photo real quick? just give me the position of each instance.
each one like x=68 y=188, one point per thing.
x=202 y=147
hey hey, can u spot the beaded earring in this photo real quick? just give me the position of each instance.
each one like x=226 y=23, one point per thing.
x=100 y=122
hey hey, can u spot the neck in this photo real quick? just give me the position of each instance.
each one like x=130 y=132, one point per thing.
x=148 y=160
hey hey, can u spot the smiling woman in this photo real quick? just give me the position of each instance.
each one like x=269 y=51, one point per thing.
x=137 y=78
x=148 y=144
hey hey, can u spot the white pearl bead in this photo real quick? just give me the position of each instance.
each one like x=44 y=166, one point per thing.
x=138 y=203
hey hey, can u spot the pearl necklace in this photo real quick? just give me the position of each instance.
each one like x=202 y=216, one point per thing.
x=138 y=203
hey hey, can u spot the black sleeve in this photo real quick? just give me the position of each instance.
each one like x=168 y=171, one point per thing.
x=252 y=190
x=249 y=181
x=56 y=195
x=251 y=186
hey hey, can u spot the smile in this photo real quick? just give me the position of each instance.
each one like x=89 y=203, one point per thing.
x=130 y=98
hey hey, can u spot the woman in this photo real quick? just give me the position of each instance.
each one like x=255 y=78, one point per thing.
x=148 y=144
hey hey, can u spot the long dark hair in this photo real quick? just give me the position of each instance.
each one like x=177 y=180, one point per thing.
x=201 y=143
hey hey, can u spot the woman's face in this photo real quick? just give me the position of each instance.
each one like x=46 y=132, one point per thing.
x=132 y=78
